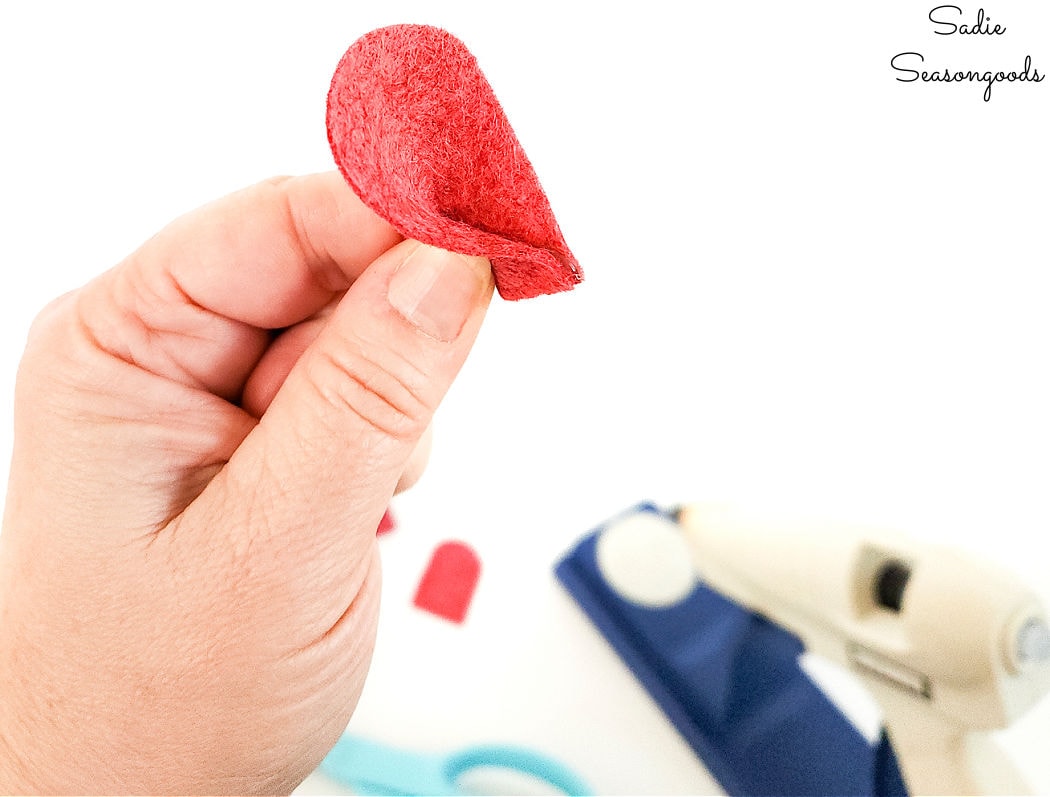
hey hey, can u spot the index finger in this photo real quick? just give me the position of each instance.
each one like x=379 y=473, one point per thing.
x=196 y=303
x=270 y=255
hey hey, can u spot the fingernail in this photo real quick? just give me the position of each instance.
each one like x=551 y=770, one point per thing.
x=436 y=291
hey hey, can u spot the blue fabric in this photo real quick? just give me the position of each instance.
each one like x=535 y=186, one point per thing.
x=730 y=682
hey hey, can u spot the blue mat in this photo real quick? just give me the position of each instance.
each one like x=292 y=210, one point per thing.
x=730 y=682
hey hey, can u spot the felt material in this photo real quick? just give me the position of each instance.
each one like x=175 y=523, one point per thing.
x=448 y=583
x=418 y=133
x=386 y=523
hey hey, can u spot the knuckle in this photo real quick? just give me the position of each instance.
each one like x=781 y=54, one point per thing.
x=50 y=316
x=276 y=180
x=383 y=391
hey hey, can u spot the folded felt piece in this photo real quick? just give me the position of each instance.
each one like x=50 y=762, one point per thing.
x=418 y=133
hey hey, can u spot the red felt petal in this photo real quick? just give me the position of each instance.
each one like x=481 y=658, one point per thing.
x=418 y=133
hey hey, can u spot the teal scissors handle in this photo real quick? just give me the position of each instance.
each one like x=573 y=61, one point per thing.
x=370 y=767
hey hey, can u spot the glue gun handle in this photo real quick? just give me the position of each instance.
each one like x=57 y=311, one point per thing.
x=938 y=756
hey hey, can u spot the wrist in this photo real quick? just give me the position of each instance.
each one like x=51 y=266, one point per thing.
x=14 y=779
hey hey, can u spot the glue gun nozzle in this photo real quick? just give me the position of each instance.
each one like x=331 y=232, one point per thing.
x=1033 y=642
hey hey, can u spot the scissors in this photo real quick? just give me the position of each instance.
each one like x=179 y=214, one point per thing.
x=370 y=767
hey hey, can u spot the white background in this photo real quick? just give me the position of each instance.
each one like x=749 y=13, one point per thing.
x=807 y=283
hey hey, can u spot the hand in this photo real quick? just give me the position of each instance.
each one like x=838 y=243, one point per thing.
x=206 y=437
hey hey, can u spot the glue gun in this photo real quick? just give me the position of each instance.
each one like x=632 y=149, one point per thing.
x=949 y=645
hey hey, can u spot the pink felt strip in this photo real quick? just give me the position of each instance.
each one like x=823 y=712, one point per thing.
x=448 y=584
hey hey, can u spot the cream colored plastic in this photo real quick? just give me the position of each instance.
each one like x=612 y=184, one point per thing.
x=645 y=558
x=945 y=669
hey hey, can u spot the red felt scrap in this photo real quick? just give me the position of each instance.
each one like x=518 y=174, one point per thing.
x=448 y=583
x=386 y=523
x=418 y=133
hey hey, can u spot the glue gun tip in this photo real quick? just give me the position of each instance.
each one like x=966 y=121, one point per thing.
x=1033 y=641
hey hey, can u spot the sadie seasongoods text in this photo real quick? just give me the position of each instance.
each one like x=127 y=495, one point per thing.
x=948 y=21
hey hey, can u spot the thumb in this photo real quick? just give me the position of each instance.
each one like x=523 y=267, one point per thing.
x=304 y=492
